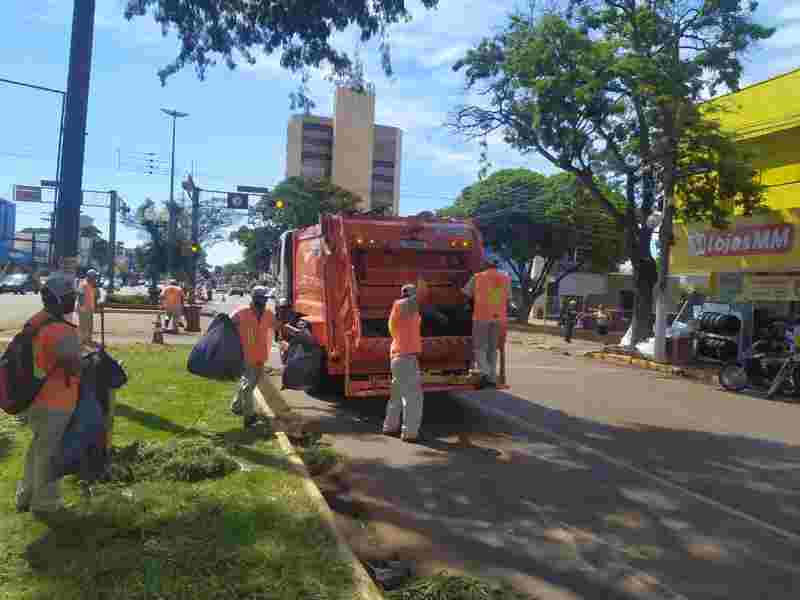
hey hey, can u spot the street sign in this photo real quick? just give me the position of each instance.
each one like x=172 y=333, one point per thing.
x=49 y=183
x=237 y=201
x=27 y=193
x=248 y=189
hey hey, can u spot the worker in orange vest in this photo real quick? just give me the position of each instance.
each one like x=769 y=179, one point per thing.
x=87 y=305
x=172 y=302
x=490 y=291
x=407 y=397
x=255 y=324
x=57 y=357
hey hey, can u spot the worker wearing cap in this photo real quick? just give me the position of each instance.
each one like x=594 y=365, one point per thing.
x=405 y=403
x=172 y=301
x=87 y=305
x=255 y=324
x=490 y=290
x=57 y=357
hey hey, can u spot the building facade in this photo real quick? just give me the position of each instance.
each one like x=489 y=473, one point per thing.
x=350 y=149
x=8 y=226
x=755 y=262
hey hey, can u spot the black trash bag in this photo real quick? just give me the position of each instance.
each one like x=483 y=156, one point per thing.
x=303 y=364
x=110 y=375
x=84 y=445
x=390 y=574
x=218 y=355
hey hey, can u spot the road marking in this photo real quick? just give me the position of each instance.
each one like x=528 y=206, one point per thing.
x=780 y=532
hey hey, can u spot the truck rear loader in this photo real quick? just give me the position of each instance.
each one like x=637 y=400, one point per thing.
x=342 y=276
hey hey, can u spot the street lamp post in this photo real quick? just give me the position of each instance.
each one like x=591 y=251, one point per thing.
x=172 y=220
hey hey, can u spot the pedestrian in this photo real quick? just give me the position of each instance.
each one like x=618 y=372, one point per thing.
x=405 y=403
x=57 y=357
x=569 y=317
x=255 y=324
x=172 y=298
x=601 y=317
x=490 y=290
x=87 y=305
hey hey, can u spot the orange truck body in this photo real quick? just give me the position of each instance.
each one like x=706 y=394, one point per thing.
x=343 y=275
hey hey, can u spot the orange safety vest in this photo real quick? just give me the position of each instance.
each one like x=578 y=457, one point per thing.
x=89 y=295
x=173 y=296
x=491 y=296
x=254 y=333
x=59 y=391
x=405 y=331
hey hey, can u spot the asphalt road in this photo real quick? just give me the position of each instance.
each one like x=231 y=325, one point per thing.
x=606 y=482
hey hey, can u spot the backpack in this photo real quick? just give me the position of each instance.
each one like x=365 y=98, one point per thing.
x=18 y=384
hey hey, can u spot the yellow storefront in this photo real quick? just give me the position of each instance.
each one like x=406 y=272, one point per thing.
x=756 y=260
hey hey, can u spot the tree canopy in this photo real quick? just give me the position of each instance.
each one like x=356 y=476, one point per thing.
x=608 y=91
x=523 y=215
x=232 y=30
x=303 y=200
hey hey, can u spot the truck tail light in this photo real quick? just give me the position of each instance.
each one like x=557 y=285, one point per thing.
x=461 y=243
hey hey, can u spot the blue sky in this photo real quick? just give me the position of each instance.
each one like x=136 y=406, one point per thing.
x=236 y=131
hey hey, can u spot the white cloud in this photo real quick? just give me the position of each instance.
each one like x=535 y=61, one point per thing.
x=787 y=36
x=790 y=12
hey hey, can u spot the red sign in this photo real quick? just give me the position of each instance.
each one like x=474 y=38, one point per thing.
x=743 y=241
x=27 y=193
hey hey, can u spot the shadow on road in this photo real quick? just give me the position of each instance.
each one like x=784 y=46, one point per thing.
x=488 y=498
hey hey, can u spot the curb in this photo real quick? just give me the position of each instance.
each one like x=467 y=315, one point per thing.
x=702 y=376
x=364 y=586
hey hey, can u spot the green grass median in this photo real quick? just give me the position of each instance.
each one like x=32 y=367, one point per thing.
x=196 y=509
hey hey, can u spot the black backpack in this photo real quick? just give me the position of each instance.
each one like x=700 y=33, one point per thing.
x=18 y=384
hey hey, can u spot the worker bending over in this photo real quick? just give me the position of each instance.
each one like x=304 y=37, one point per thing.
x=172 y=302
x=489 y=290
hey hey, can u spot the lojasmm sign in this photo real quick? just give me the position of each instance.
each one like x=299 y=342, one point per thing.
x=743 y=241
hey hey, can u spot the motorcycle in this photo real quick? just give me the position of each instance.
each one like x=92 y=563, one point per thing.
x=764 y=369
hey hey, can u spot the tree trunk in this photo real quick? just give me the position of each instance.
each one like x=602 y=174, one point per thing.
x=645 y=276
x=526 y=305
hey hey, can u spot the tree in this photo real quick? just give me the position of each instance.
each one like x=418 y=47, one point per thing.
x=303 y=200
x=523 y=215
x=150 y=220
x=610 y=90
x=301 y=31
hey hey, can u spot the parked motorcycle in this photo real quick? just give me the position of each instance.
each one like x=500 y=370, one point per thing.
x=766 y=369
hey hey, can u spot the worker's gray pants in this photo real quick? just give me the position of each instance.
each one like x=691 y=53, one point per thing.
x=85 y=326
x=39 y=488
x=244 y=403
x=485 y=341
x=407 y=397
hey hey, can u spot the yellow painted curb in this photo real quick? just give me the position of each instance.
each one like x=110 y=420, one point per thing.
x=365 y=587
x=677 y=371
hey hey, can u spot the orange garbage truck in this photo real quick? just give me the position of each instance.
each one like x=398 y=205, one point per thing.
x=337 y=281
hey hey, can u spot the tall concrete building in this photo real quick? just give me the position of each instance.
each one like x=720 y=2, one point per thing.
x=350 y=149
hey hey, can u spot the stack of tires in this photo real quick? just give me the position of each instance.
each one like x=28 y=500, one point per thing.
x=719 y=324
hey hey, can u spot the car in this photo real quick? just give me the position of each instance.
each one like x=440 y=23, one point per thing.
x=18 y=283
x=236 y=290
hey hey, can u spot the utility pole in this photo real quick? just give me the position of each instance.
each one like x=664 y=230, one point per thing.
x=112 y=238
x=172 y=230
x=195 y=238
x=77 y=103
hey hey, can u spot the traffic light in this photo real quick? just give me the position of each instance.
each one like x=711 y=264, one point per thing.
x=195 y=248
x=275 y=202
